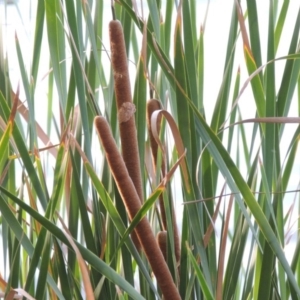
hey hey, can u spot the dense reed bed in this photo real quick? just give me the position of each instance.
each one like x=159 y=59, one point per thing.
x=150 y=150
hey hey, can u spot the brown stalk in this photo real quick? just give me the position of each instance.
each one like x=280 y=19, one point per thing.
x=153 y=105
x=125 y=109
x=125 y=105
x=133 y=204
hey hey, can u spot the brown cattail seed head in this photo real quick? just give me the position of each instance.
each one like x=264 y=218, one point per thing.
x=119 y=63
x=125 y=106
x=162 y=242
x=131 y=200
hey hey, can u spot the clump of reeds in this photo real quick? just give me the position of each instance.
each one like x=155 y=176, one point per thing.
x=153 y=105
x=133 y=205
x=126 y=170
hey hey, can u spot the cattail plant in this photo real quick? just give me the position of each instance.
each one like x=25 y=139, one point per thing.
x=125 y=105
x=126 y=109
x=153 y=105
x=162 y=242
x=133 y=205
x=213 y=94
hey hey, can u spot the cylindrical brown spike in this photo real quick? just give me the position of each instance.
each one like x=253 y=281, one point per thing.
x=125 y=105
x=133 y=204
x=126 y=109
x=162 y=242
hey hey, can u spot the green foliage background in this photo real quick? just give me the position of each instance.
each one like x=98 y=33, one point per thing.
x=232 y=247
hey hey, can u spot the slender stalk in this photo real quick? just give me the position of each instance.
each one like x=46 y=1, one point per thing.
x=133 y=204
x=153 y=105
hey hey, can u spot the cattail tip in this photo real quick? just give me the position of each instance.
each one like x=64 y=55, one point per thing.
x=99 y=121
